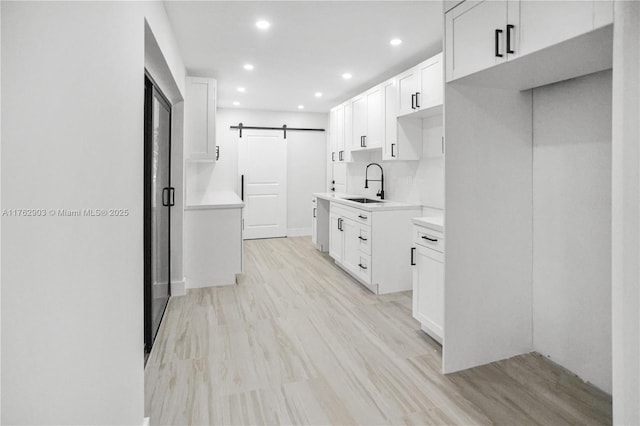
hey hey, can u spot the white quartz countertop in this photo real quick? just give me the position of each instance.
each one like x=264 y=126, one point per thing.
x=432 y=222
x=214 y=200
x=383 y=205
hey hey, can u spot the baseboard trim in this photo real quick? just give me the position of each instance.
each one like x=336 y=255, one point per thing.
x=298 y=232
x=146 y=421
x=219 y=280
x=178 y=288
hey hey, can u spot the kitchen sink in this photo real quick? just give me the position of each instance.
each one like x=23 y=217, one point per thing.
x=364 y=200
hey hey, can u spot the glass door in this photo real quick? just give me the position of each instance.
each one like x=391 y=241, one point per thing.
x=159 y=196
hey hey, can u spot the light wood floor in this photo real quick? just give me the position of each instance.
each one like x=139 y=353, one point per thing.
x=298 y=342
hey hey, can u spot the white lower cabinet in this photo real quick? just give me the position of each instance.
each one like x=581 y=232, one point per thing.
x=427 y=256
x=351 y=254
x=212 y=246
x=320 y=223
x=370 y=245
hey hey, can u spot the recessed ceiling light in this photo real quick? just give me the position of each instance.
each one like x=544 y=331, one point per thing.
x=300 y=106
x=248 y=67
x=236 y=103
x=318 y=94
x=395 y=42
x=346 y=76
x=241 y=89
x=263 y=25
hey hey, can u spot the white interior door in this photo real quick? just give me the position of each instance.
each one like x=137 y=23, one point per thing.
x=263 y=162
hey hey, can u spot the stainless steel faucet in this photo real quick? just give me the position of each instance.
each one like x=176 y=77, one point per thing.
x=381 y=180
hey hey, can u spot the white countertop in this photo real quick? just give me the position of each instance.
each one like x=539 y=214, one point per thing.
x=214 y=200
x=384 y=205
x=432 y=222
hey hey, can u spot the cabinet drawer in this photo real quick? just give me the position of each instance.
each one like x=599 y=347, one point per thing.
x=357 y=215
x=360 y=216
x=426 y=237
x=363 y=270
x=364 y=239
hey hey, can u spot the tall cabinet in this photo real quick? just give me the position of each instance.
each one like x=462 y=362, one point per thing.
x=200 y=122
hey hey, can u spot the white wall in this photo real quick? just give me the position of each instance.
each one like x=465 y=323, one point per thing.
x=420 y=182
x=626 y=214
x=0 y=221
x=72 y=295
x=306 y=160
x=572 y=225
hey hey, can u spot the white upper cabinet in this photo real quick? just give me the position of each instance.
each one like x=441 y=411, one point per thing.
x=402 y=137
x=481 y=34
x=375 y=120
x=366 y=128
x=431 y=83
x=200 y=119
x=337 y=133
x=371 y=120
x=543 y=24
x=367 y=120
x=348 y=131
x=407 y=88
x=390 y=93
x=420 y=88
x=474 y=36
x=333 y=141
x=359 y=122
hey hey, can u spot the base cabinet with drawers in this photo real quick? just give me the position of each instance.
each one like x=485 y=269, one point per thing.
x=427 y=260
x=370 y=245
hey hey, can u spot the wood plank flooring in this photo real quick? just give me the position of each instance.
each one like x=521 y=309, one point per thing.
x=299 y=342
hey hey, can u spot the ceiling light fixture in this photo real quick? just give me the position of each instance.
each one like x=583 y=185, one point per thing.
x=318 y=94
x=236 y=103
x=346 y=76
x=263 y=25
x=241 y=89
x=395 y=42
x=300 y=106
x=248 y=67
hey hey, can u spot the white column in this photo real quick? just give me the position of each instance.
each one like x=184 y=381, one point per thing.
x=626 y=214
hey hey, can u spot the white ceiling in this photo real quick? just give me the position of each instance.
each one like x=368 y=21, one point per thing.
x=309 y=46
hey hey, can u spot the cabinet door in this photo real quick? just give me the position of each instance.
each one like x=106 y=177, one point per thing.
x=375 y=118
x=428 y=290
x=333 y=134
x=335 y=237
x=359 y=129
x=407 y=87
x=348 y=130
x=471 y=41
x=339 y=130
x=314 y=221
x=340 y=174
x=200 y=119
x=351 y=254
x=545 y=23
x=390 y=146
x=431 y=83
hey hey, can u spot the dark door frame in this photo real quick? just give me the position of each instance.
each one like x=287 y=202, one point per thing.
x=152 y=90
